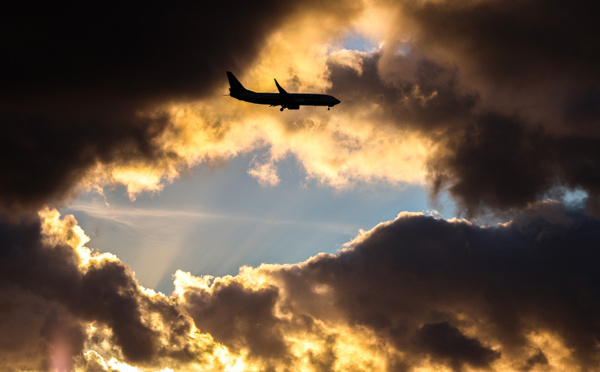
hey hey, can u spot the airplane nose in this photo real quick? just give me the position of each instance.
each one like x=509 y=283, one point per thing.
x=336 y=101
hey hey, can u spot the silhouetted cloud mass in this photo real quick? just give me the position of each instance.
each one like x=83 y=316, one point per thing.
x=415 y=280
x=77 y=76
x=540 y=57
x=508 y=90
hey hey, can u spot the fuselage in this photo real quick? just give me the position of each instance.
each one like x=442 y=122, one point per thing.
x=290 y=100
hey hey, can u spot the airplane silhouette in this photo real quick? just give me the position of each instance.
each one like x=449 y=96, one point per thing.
x=291 y=101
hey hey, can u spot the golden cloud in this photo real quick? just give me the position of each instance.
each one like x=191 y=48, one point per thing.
x=338 y=148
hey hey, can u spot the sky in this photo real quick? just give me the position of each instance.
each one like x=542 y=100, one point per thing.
x=445 y=216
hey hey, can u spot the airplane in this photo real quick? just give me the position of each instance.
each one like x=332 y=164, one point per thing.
x=290 y=101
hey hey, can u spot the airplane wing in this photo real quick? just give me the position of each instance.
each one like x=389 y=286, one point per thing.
x=281 y=90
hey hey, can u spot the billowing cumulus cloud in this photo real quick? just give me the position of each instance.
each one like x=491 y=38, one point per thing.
x=411 y=294
x=60 y=300
x=506 y=90
x=419 y=292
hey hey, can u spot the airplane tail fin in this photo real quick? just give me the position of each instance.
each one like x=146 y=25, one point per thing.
x=234 y=84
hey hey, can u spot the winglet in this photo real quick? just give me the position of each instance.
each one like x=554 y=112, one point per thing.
x=281 y=90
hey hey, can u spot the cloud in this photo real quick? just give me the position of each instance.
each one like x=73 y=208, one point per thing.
x=37 y=334
x=529 y=71
x=224 y=313
x=518 y=44
x=506 y=99
x=50 y=270
x=60 y=300
x=410 y=91
x=413 y=292
x=443 y=341
x=445 y=293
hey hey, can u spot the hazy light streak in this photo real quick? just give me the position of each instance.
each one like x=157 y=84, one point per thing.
x=137 y=217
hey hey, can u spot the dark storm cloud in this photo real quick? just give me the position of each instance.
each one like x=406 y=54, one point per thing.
x=435 y=289
x=239 y=318
x=495 y=162
x=33 y=329
x=134 y=52
x=37 y=272
x=446 y=342
x=486 y=159
x=76 y=75
x=43 y=156
x=514 y=42
x=48 y=301
x=541 y=57
x=507 y=90
x=537 y=273
x=499 y=162
x=427 y=96
x=538 y=358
